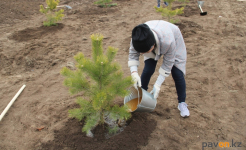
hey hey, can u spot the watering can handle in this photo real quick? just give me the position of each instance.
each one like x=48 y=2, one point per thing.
x=138 y=95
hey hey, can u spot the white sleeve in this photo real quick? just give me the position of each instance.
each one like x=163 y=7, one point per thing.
x=160 y=80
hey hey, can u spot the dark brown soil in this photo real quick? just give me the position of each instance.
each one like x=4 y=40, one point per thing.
x=136 y=134
x=35 y=33
x=14 y=10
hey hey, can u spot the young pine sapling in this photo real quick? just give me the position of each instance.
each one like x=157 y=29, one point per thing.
x=169 y=12
x=101 y=81
x=184 y=2
x=105 y=3
x=52 y=15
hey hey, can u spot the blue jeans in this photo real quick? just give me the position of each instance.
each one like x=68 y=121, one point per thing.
x=159 y=3
x=178 y=77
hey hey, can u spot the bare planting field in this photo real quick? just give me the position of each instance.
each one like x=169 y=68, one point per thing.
x=33 y=55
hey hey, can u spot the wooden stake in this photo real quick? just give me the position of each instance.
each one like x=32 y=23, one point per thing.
x=11 y=102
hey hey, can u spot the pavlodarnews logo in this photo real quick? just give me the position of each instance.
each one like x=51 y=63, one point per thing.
x=221 y=144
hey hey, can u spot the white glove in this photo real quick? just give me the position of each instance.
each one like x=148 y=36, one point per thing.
x=156 y=90
x=157 y=86
x=136 y=79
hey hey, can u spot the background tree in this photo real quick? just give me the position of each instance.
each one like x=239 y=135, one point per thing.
x=101 y=81
x=105 y=3
x=184 y=2
x=169 y=12
x=52 y=15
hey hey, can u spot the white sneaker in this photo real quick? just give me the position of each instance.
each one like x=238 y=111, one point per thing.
x=184 y=112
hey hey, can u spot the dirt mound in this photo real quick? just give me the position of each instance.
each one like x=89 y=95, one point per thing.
x=190 y=11
x=35 y=33
x=135 y=134
x=189 y=28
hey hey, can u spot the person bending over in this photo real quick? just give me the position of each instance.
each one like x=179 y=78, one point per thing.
x=156 y=39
